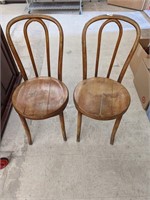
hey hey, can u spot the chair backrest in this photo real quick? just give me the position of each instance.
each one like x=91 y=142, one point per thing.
x=109 y=19
x=28 y=19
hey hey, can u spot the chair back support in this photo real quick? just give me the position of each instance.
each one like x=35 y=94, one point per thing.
x=40 y=19
x=109 y=19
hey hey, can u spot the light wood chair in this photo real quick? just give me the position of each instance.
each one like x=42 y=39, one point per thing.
x=103 y=98
x=39 y=97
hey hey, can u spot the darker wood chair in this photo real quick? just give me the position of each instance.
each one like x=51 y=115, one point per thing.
x=103 y=98
x=39 y=97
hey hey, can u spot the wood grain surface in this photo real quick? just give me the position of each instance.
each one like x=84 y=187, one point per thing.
x=101 y=98
x=40 y=98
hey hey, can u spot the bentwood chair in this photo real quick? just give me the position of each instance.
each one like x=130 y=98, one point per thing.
x=39 y=97
x=103 y=98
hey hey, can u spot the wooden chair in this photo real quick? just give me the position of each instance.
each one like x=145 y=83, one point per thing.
x=102 y=98
x=40 y=97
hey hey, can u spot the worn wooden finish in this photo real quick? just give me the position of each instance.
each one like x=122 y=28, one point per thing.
x=116 y=125
x=99 y=97
x=99 y=45
x=29 y=46
x=27 y=130
x=79 y=126
x=39 y=97
x=61 y=116
x=116 y=19
x=40 y=19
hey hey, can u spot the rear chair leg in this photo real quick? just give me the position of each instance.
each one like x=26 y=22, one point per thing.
x=61 y=117
x=79 y=126
x=116 y=125
x=25 y=125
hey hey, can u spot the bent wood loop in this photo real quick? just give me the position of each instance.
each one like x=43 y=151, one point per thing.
x=109 y=19
x=39 y=19
x=29 y=46
x=99 y=44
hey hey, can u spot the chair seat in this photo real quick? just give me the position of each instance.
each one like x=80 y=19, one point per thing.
x=101 y=98
x=40 y=98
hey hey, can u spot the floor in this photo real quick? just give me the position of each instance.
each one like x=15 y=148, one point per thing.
x=52 y=169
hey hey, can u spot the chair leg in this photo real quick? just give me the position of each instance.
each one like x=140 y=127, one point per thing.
x=61 y=117
x=116 y=125
x=79 y=126
x=25 y=125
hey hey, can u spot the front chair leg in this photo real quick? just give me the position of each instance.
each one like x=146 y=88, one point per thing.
x=116 y=125
x=25 y=125
x=61 y=117
x=79 y=126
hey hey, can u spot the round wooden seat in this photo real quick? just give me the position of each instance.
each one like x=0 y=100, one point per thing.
x=40 y=98
x=101 y=98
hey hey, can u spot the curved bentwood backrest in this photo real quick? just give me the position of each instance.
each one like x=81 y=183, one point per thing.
x=109 y=19
x=40 y=19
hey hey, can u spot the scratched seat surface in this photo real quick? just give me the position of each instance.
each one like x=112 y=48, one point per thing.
x=101 y=98
x=40 y=98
